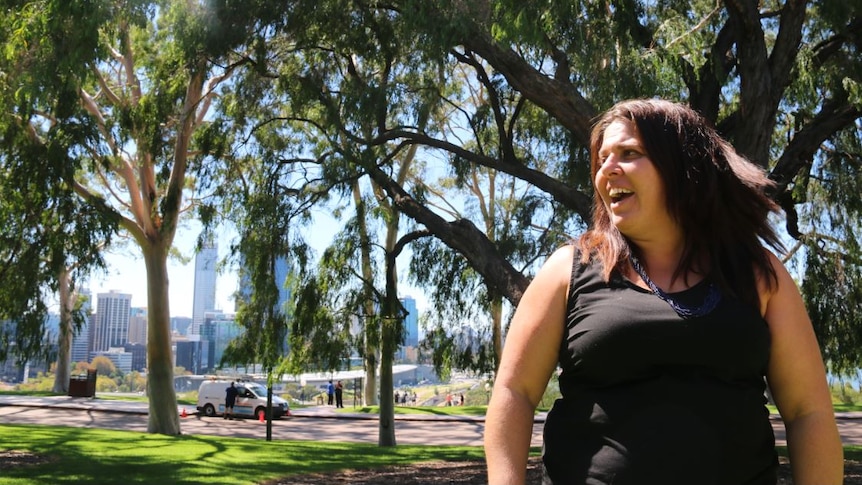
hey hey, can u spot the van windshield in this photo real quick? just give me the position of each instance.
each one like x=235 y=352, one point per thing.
x=256 y=388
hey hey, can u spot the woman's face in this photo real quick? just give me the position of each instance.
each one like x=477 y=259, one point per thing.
x=630 y=186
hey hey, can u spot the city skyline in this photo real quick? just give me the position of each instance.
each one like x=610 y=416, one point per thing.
x=127 y=273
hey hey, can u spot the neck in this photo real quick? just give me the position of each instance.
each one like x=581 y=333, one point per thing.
x=660 y=260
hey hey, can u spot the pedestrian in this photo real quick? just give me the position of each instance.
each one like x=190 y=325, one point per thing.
x=461 y=399
x=339 y=390
x=448 y=399
x=330 y=393
x=230 y=395
x=667 y=318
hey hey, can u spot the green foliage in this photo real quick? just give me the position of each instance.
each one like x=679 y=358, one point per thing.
x=833 y=296
x=106 y=384
x=418 y=103
x=456 y=349
x=43 y=382
x=104 y=366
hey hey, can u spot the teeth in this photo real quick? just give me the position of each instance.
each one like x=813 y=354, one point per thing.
x=618 y=191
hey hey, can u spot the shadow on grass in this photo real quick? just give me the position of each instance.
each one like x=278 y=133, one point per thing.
x=96 y=456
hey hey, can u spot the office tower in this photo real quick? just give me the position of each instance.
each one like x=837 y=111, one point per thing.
x=181 y=325
x=219 y=329
x=191 y=353
x=411 y=322
x=205 y=284
x=122 y=360
x=139 y=356
x=81 y=339
x=138 y=326
x=282 y=271
x=111 y=327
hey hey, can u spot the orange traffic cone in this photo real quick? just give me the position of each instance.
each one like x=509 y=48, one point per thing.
x=184 y=414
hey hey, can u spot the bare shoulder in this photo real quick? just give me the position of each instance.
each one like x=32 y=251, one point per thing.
x=558 y=267
x=783 y=286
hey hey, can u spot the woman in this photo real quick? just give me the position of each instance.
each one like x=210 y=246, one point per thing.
x=667 y=316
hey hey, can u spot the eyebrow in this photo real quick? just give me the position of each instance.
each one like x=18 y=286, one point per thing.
x=626 y=145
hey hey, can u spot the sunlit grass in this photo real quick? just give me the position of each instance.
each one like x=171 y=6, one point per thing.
x=95 y=456
x=424 y=410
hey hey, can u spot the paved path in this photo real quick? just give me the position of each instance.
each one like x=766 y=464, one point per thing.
x=320 y=423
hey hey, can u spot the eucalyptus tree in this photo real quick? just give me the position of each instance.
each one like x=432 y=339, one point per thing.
x=298 y=87
x=779 y=79
x=123 y=87
x=261 y=246
x=48 y=248
x=49 y=240
x=492 y=121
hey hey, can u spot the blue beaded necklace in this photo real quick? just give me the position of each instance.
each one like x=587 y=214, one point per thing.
x=713 y=296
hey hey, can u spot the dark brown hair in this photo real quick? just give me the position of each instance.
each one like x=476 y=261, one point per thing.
x=716 y=196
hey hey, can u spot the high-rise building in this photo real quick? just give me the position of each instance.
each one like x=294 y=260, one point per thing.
x=80 y=351
x=205 y=284
x=181 y=325
x=138 y=326
x=282 y=271
x=111 y=328
x=191 y=353
x=122 y=360
x=139 y=356
x=219 y=329
x=411 y=322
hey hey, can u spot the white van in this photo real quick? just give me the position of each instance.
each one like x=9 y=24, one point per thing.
x=250 y=400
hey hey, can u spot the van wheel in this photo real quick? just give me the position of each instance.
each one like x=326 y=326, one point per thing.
x=209 y=410
x=260 y=414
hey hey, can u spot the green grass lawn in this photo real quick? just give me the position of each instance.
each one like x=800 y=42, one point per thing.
x=428 y=410
x=96 y=456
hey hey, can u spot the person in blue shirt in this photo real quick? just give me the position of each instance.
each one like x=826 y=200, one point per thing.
x=330 y=393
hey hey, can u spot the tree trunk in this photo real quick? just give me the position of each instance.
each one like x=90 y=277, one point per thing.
x=64 y=343
x=390 y=329
x=163 y=417
x=370 y=372
x=386 y=428
x=370 y=330
x=496 y=311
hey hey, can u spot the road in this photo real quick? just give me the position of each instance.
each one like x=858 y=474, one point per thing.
x=317 y=423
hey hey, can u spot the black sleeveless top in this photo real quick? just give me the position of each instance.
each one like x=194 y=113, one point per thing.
x=651 y=398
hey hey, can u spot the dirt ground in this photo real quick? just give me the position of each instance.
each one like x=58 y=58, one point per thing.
x=436 y=473
x=473 y=473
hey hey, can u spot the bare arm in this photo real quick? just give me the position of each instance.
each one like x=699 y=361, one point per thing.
x=529 y=358
x=797 y=379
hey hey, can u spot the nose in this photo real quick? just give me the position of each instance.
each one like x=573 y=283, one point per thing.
x=610 y=166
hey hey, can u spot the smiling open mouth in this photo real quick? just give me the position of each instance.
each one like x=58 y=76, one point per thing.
x=617 y=194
